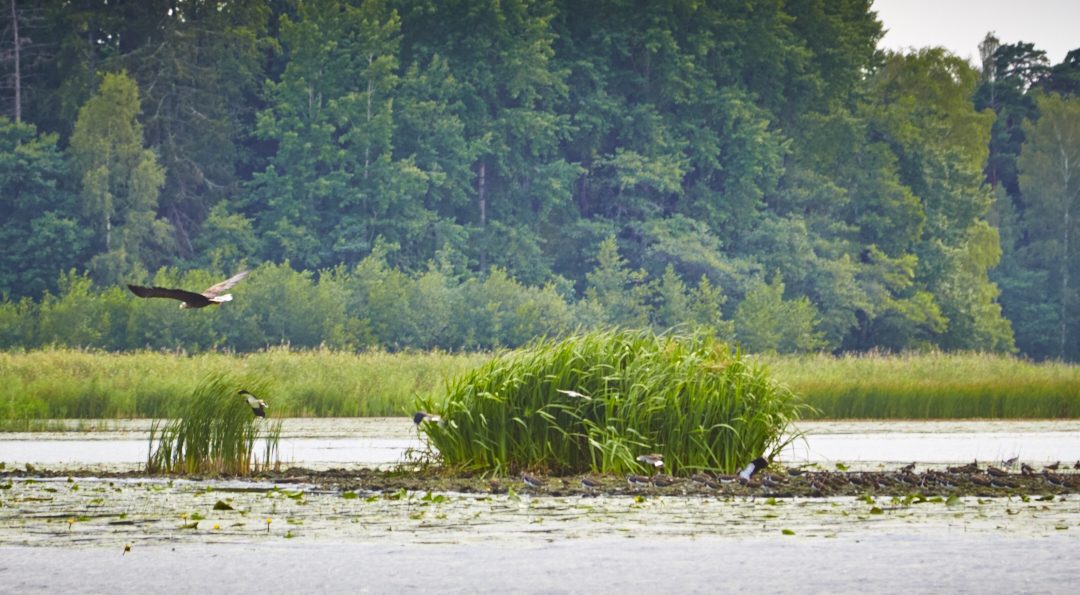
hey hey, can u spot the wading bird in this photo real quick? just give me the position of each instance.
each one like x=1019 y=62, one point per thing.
x=258 y=406
x=756 y=465
x=212 y=296
x=422 y=416
x=532 y=481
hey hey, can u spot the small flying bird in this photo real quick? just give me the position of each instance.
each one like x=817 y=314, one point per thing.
x=258 y=406
x=422 y=416
x=655 y=459
x=532 y=481
x=573 y=393
x=1011 y=462
x=212 y=296
x=756 y=465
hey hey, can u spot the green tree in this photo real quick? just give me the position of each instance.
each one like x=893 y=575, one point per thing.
x=765 y=321
x=39 y=232
x=1049 y=167
x=616 y=294
x=120 y=182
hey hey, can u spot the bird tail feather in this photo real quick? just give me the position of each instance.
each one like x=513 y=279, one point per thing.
x=222 y=298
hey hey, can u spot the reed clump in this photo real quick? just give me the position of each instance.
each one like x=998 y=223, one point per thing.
x=692 y=399
x=217 y=433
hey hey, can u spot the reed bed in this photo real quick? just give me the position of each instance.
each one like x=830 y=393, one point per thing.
x=691 y=399
x=43 y=385
x=77 y=384
x=217 y=433
x=932 y=385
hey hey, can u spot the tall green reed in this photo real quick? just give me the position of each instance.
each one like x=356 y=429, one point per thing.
x=692 y=399
x=216 y=433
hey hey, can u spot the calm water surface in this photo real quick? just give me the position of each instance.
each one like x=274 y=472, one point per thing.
x=375 y=442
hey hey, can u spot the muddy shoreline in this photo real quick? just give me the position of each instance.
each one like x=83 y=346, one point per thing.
x=968 y=480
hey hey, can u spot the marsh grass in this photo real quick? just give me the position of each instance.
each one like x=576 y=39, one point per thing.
x=216 y=433
x=690 y=398
x=78 y=384
x=37 y=387
x=931 y=385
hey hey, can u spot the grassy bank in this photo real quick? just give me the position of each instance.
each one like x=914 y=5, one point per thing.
x=931 y=386
x=64 y=383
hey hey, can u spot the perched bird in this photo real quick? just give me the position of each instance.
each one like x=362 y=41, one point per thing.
x=573 y=393
x=531 y=480
x=756 y=465
x=127 y=548
x=1011 y=462
x=1053 y=467
x=422 y=416
x=1077 y=465
x=637 y=480
x=1026 y=469
x=994 y=471
x=909 y=468
x=189 y=299
x=258 y=406
x=654 y=459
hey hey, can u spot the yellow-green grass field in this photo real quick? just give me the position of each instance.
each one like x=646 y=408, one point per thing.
x=74 y=384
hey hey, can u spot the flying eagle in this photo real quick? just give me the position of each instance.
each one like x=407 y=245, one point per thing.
x=190 y=299
x=258 y=406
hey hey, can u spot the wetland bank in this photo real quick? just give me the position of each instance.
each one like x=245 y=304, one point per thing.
x=344 y=504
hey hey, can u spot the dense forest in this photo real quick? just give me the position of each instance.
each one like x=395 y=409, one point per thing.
x=464 y=174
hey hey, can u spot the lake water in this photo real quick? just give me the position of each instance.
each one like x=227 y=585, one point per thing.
x=382 y=442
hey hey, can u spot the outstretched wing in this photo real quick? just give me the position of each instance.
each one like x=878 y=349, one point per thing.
x=215 y=290
x=165 y=292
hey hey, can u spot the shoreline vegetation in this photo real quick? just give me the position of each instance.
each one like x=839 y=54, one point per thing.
x=49 y=384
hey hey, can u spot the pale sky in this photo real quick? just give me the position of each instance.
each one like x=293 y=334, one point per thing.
x=959 y=25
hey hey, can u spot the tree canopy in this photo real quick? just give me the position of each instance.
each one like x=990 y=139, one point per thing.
x=461 y=174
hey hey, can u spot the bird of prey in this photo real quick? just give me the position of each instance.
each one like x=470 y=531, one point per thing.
x=189 y=299
x=258 y=406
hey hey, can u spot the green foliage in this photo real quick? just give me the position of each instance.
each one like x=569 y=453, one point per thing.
x=120 y=180
x=930 y=385
x=729 y=140
x=49 y=384
x=216 y=432
x=39 y=230
x=765 y=321
x=65 y=384
x=1050 y=180
x=689 y=398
